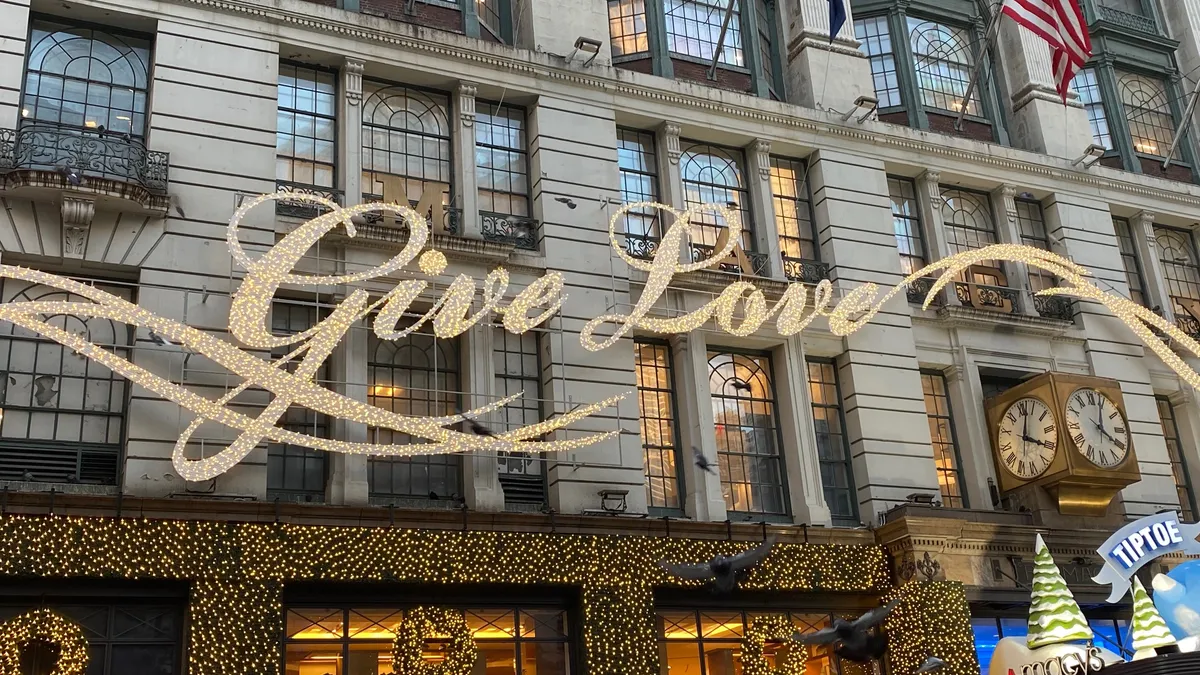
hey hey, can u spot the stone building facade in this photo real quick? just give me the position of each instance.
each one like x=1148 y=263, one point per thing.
x=130 y=132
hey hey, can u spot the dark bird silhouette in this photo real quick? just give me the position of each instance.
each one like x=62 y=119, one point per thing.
x=27 y=477
x=565 y=200
x=70 y=175
x=931 y=664
x=433 y=495
x=702 y=461
x=478 y=429
x=740 y=385
x=43 y=389
x=160 y=340
x=857 y=640
x=722 y=570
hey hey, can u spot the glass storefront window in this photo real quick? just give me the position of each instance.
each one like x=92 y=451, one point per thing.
x=709 y=642
x=358 y=641
x=1111 y=634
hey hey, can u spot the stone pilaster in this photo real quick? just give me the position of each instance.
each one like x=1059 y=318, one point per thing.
x=465 y=191
x=481 y=474
x=933 y=226
x=818 y=71
x=1008 y=231
x=1141 y=226
x=965 y=392
x=801 y=459
x=766 y=237
x=348 y=474
x=886 y=423
x=703 y=497
x=350 y=132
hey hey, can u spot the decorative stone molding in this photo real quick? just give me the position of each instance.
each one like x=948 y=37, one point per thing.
x=466 y=103
x=77 y=214
x=671 y=132
x=352 y=78
x=762 y=149
x=1144 y=220
x=932 y=180
x=1007 y=196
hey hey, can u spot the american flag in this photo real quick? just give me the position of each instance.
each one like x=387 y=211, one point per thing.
x=1060 y=23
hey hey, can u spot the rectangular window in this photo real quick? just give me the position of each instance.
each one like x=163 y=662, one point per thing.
x=306 y=131
x=1179 y=470
x=1181 y=271
x=946 y=455
x=694 y=27
x=1088 y=86
x=766 y=45
x=129 y=635
x=638 y=165
x=747 y=428
x=970 y=226
x=793 y=218
x=1111 y=634
x=715 y=175
x=490 y=14
x=709 y=641
x=525 y=640
x=1147 y=106
x=86 y=79
x=656 y=403
x=906 y=221
x=1129 y=259
x=833 y=448
x=1033 y=233
x=627 y=27
x=518 y=370
x=406 y=145
x=876 y=41
x=943 y=62
x=294 y=472
x=501 y=159
x=415 y=375
x=64 y=415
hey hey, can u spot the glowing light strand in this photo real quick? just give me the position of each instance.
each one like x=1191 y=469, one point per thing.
x=45 y=626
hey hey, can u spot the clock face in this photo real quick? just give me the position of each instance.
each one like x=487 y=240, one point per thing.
x=1028 y=438
x=1097 y=428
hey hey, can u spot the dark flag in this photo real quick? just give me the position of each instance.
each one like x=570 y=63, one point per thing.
x=837 y=17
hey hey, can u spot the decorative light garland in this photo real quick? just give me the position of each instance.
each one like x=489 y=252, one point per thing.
x=422 y=622
x=772 y=627
x=237 y=572
x=46 y=626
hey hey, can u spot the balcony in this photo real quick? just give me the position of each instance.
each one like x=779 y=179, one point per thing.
x=520 y=231
x=758 y=261
x=1054 y=307
x=451 y=218
x=805 y=271
x=1134 y=22
x=919 y=290
x=303 y=210
x=989 y=298
x=106 y=163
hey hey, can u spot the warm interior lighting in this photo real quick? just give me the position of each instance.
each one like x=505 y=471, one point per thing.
x=385 y=391
x=91 y=124
x=1148 y=148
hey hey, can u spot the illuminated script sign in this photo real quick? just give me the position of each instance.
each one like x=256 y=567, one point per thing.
x=1073 y=663
x=741 y=309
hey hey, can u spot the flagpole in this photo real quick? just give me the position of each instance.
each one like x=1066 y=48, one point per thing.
x=712 y=70
x=992 y=31
x=1184 y=125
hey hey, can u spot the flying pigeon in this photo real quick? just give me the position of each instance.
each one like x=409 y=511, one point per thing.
x=853 y=640
x=723 y=570
x=70 y=175
x=702 y=462
x=43 y=391
x=478 y=429
x=160 y=340
x=931 y=664
x=740 y=385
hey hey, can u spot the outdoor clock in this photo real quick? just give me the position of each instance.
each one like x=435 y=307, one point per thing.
x=1067 y=434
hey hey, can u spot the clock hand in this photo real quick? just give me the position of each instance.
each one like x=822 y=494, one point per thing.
x=1031 y=439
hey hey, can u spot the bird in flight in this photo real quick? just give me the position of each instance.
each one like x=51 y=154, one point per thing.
x=856 y=640
x=722 y=570
x=702 y=462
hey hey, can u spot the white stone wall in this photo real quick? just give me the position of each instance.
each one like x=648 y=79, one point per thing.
x=213 y=107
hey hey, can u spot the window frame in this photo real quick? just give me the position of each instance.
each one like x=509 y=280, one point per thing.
x=1184 y=319
x=292 y=159
x=1177 y=458
x=915 y=220
x=680 y=485
x=745 y=207
x=384 y=85
x=801 y=200
x=503 y=31
x=948 y=417
x=501 y=341
x=284 y=451
x=914 y=20
x=867 y=42
x=716 y=10
x=640 y=245
x=854 y=518
x=1121 y=69
x=482 y=106
x=1131 y=256
x=779 y=457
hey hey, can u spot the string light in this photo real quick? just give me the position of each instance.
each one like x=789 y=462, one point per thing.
x=237 y=572
x=43 y=625
x=778 y=628
x=432 y=262
x=421 y=623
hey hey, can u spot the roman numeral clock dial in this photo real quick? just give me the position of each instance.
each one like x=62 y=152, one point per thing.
x=1028 y=438
x=1097 y=428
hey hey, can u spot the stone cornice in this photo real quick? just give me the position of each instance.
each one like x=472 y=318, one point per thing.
x=523 y=62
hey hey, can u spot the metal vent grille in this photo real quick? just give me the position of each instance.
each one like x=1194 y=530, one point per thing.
x=50 y=462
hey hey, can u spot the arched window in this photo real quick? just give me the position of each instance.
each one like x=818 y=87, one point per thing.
x=1181 y=270
x=405 y=138
x=85 y=78
x=714 y=175
x=1148 y=111
x=64 y=415
x=416 y=375
x=747 y=429
x=694 y=29
x=968 y=217
x=943 y=61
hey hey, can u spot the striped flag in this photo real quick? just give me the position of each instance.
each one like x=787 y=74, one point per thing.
x=1061 y=24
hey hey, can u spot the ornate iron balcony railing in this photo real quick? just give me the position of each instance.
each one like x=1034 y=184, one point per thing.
x=1054 y=307
x=1187 y=323
x=305 y=210
x=108 y=155
x=451 y=216
x=919 y=290
x=805 y=271
x=642 y=247
x=1143 y=24
x=994 y=298
x=758 y=261
x=520 y=231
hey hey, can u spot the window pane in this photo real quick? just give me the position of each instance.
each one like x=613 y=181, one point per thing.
x=656 y=397
x=747 y=433
x=876 y=41
x=639 y=183
x=1148 y=112
x=1088 y=87
x=906 y=221
x=627 y=27
x=694 y=27
x=945 y=441
x=943 y=62
x=832 y=445
x=1181 y=271
x=1129 y=259
x=715 y=175
x=305 y=133
x=793 y=216
x=1183 y=482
